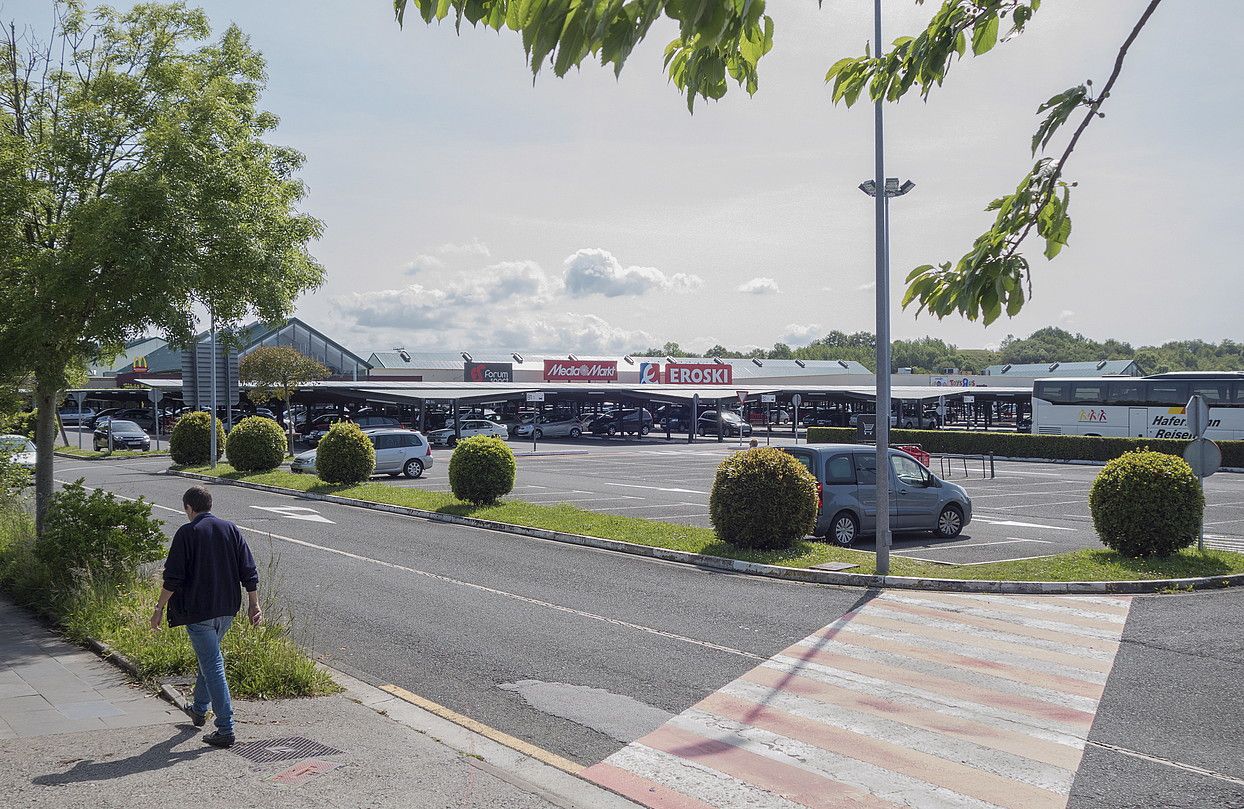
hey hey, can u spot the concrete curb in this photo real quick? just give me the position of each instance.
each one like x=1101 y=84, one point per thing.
x=146 y=456
x=123 y=662
x=805 y=575
x=513 y=766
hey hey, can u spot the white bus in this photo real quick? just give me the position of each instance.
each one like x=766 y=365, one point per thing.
x=1145 y=407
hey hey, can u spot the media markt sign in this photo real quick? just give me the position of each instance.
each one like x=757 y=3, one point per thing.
x=580 y=371
x=488 y=372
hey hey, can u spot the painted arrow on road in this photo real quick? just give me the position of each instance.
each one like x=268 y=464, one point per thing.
x=296 y=513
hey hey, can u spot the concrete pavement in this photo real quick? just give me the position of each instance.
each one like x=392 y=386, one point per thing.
x=74 y=731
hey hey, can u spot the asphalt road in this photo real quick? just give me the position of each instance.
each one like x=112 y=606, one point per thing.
x=579 y=651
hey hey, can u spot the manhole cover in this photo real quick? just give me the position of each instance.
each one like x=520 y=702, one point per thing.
x=263 y=752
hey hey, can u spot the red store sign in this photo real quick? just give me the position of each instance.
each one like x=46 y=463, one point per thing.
x=699 y=374
x=580 y=371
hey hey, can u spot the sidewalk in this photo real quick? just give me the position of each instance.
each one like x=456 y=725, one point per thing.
x=74 y=732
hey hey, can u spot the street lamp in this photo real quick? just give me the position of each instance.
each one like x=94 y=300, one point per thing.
x=891 y=188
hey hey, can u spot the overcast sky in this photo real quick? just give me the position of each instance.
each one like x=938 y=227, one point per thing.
x=466 y=208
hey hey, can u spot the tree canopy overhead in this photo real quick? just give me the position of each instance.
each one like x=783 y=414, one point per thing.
x=723 y=41
x=137 y=186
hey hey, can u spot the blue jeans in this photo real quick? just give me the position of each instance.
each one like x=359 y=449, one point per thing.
x=210 y=684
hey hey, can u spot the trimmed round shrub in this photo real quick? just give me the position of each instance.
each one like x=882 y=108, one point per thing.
x=1147 y=504
x=191 y=441
x=762 y=498
x=481 y=469
x=345 y=454
x=255 y=444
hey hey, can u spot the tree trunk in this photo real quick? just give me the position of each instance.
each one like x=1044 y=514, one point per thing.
x=46 y=399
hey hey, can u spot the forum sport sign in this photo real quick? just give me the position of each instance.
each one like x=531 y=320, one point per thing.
x=488 y=372
x=580 y=371
x=699 y=374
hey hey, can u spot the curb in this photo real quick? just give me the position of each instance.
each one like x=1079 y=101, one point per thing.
x=122 y=662
x=147 y=456
x=803 y=575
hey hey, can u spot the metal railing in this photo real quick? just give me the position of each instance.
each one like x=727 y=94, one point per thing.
x=950 y=465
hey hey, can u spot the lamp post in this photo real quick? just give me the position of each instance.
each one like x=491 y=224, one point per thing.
x=881 y=189
x=890 y=188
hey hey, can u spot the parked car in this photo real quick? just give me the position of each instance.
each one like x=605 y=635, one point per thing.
x=19 y=449
x=731 y=424
x=365 y=422
x=398 y=452
x=125 y=435
x=448 y=437
x=107 y=412
x=823 y=418
x=70 y=417
x=761 y=415
x=846 y=476
x=928 y=420
x=633 y=421
x=555 y=426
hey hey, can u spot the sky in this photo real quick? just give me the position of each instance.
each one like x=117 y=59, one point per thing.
x=468 y=208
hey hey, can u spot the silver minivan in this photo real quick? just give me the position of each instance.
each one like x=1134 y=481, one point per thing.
x=398 y=452
x=846 y=477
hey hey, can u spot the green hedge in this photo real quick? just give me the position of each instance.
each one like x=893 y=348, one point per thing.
x=345 y=454
x=255 y=444
x=191 y=441
x=1026 y=445
x=481 y=470
x=1147 y=504
x=762 y=498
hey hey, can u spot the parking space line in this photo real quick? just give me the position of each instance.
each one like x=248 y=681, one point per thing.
x=648 y=505
x=1007 y=541
x=1014 y=524
x=657 y=488
x=1083 y=501
x=1030 y=494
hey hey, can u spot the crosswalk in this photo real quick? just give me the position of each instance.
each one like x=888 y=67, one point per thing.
x=912 y=699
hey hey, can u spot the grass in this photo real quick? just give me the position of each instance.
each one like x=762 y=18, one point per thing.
x=261 y=662
x=1085 y=565
x=91 y=454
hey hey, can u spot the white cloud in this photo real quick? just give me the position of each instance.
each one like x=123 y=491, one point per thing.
x=796 y=334
x=760 y=286
x=871 y=285
x=472 y=248
x=423 y=263
x=570 y=332
x=1066 y=316
x=592 y=271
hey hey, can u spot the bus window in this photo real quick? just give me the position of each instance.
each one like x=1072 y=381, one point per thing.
x=1239 y=394
x=1052 y=392
x=1088 y=392
x=1167 y=392
x=1126 y=392
x=1215 y=393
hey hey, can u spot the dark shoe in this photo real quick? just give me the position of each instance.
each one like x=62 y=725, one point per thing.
x=218 y=739
x=199 y=719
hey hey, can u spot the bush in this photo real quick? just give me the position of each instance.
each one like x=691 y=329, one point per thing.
x=1146 y=504
x=1025 y=445
x=345 y=455
x=99 y=536
x=762 y=498
x=255 y=444
x=190 y=443
x=481 y=469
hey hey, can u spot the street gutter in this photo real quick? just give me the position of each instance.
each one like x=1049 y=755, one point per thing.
x=804 y=575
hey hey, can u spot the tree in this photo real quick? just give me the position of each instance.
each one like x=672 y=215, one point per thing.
x=276 y=372
x=136 y=190
x=722 y=40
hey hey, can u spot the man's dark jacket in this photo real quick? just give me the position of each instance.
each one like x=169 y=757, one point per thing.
x=206 y=562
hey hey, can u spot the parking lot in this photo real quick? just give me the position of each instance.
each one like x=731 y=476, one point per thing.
x=1027 y=510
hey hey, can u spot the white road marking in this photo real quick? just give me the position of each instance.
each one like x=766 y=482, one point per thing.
x=1083 y=501
x=649 y=505
x=296 y=513
x=1014 y=524
x=657 y=488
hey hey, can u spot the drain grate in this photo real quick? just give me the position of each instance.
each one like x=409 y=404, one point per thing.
x=270 y=750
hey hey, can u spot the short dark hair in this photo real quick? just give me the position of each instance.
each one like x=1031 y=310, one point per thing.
x=198 y=498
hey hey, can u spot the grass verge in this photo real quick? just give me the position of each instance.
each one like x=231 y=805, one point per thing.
x=261 y=662
x=91 y=454
x=1085 y=565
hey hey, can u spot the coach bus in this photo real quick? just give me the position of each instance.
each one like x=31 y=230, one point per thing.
x=1145 y=407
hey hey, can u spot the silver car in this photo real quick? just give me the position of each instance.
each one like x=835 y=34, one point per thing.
x=846 y=477
x=19 y=449
x=398 y=452
x=448 y=437
x=551 y=427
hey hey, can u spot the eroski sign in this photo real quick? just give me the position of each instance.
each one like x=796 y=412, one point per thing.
x=699 y=374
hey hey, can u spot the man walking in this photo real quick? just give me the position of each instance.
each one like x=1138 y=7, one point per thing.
x=206 y=562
